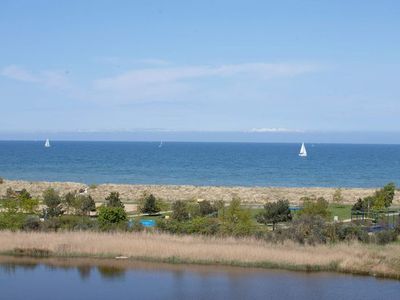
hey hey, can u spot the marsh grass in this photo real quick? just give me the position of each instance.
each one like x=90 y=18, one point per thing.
x=354 y=258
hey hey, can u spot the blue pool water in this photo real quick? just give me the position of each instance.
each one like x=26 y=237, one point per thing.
x=245 y=164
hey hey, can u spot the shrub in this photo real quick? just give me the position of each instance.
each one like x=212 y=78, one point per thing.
x=52 y=200
x=385 y=237
x=1 y=180
x=31 y=223
x=84 y=204
x=318 y=207
x=113 y=200
x=350 y=232
x=337 y=196
x=235 y=220
x=198 y=225
x=308 y=229
x=11 y=221
x=180 y=211
x=111 y=216
x=274 y=213
x=148 y=204
x=206 y=208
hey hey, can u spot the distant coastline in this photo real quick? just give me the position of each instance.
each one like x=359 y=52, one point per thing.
x=248 y=195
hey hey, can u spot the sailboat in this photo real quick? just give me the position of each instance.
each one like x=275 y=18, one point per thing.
x=303 y=151
x=161 y=143
x=47 y=143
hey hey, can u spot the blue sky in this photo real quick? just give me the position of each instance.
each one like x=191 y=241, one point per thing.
x=169 y=66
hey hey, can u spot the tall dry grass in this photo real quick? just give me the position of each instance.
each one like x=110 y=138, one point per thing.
x=353 y=258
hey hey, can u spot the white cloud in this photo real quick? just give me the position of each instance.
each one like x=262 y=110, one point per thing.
x=262 y=130
x=51 y=79
x=171 y=81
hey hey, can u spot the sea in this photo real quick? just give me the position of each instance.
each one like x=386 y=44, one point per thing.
x=217 y=164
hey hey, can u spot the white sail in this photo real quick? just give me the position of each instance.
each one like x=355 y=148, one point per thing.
x=303 y=151
x=47 y=144
x=161 y=144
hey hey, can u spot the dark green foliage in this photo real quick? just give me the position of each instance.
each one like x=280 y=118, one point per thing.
x=150 y=205
x=85 y=204
x=235 y=220
x=113 y=200
x=52 y=200
x=275 y=212
x=111 y=215
x=1 y=180
x=31 y=223
x=11 y=220
x=197 y=225
x=180 y=211
x=206 y=208
x=68 y=202
x=312 y=207
x=308 y=229
x=381 y=199
x=385 y=237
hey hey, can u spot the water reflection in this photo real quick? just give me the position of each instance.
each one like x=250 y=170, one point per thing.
x=104 y=279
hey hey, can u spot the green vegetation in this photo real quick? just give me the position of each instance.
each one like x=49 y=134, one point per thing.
x=113 y=200
x=312 y=224
x=315 y=207
x=1 y=180
x=275 y=212
x=148 y=204
x=381 y=199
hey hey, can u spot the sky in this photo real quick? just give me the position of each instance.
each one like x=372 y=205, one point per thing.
x=260 y=69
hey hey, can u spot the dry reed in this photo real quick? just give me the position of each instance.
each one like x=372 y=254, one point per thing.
x=352 y=258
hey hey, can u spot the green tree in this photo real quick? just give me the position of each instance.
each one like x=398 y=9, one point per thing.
x=69 y=202
x=109 y=216
x=84 y=204
x=318 y=207
x=383 y=198
x=180 y=211
x=206 y=208
x=235 y=220
x=113 y=200
x=52 y=200
x=150 y=205
x=337 y=196
x=275 y=212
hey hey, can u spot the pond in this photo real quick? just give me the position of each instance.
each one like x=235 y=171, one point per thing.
x=26 y=278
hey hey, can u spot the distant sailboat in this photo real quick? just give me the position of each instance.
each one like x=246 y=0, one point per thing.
x=47 y=144
x=303 y=151
x=161 y=143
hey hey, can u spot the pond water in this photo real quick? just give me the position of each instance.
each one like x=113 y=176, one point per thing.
x=24 y=278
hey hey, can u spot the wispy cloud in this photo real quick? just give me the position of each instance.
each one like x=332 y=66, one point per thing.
x=48 y=78
x=167 y=81
x=279 y=130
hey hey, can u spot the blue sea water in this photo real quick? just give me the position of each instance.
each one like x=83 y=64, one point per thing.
x=226 y=164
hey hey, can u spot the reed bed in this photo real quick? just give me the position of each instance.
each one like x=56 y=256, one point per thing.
x=352 y=258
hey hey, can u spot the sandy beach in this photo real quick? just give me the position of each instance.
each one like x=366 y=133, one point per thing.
x=250 y=195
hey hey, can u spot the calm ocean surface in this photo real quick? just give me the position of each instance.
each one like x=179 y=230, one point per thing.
x=245 y=164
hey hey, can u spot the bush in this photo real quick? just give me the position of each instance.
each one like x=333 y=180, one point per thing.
x=312 y=207
x=206 y=208
x=109 y=216
x=275 y=212
x=148 y=204
x=235 y=220
x=350 y=232
x=385 y=237
x=180 y=211
x=52 y=200
x=11 y=220
x=197 y=225
x=1 y=180
x=113 y=200
x=308 y=229
x=84 y=204
x=337 y=196
x=31 y=223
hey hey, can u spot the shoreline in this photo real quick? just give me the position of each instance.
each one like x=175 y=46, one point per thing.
x=345 y=258
x=248 y=195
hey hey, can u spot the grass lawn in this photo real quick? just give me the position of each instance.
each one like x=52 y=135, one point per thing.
x=343 y=211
